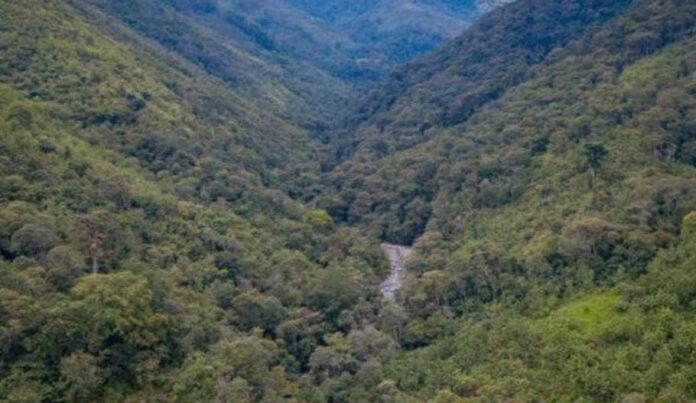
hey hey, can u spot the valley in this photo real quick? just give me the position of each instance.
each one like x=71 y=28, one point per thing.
x=347 y=201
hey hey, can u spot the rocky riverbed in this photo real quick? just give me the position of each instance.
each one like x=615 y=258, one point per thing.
x=398 y=256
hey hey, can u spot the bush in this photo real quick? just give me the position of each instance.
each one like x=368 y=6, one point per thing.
x=34 y=240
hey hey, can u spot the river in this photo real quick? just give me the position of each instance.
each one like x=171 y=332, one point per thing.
x=398 y=256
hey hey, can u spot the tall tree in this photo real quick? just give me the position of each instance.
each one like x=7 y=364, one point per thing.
x=594 y=155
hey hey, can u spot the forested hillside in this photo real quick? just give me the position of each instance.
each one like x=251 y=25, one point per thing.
x=543 y=164
x=354 y=41
x=193 y=194
x=127 y=160
x=447 y=86
x=443 y=119
x=231 y=46
x=386 y=32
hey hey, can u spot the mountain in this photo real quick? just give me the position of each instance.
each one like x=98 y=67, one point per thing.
x=392 y=31
x=304 y=67
x=233 y=47
x=485 y=6
x=542 y=164
x=146 y=181
x=354 y=41
x=195 y=196
x=445 y=87
x=436 y=103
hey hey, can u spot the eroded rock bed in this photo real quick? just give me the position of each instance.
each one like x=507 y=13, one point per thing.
x=398 y=256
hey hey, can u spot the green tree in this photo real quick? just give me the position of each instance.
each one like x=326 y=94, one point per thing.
x=97 y=229
x=34 y=240
x=594 y=155
x=335 y=289
x=254 y=309
x=83 y=376
x=195 y=380
x=237 y=390
x=318 y=218
x=257 y=361
x=64 y=266
x=392 y=320
x=117 y=306
x=369 y=343
x=332 y=360
x=689 y=225
x=113 y=318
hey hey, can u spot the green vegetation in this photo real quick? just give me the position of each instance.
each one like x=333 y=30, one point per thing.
x=384 y=32
x=634 y=343
x=590 y=314
x=536 y=197
x=189 y=212
x=127 y=161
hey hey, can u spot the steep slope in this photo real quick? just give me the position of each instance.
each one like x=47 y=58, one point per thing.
x=585 y=170
x=553 y=240
x=144 y=223
x=412 y=130
x=226 y=42
x=286 y=30
x=294 y=64
x=355 y=42
x=392 y=31
x=446 y=87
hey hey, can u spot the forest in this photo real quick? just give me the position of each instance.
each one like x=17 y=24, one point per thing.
x=194 y=195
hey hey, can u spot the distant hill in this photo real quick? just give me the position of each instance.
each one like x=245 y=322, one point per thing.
x=227 y=43
x=357 y=41
x=393 y=31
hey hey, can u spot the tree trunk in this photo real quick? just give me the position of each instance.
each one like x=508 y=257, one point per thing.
x=592 y=177
x=95 y=262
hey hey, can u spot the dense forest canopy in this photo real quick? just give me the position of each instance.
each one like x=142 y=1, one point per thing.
x=193 y=195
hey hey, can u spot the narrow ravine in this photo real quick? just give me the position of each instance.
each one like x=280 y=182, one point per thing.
x=398 y=256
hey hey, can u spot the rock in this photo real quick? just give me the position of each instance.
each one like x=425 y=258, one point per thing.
x=398 y=256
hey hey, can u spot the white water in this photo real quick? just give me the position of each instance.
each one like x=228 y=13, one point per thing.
x=398 y=256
